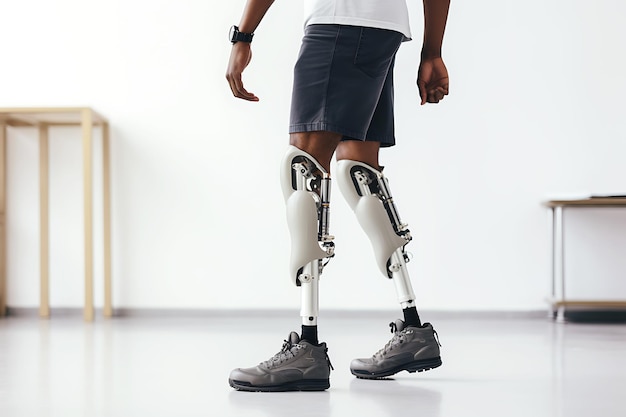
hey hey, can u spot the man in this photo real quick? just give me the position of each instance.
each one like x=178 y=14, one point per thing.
x=342 y=104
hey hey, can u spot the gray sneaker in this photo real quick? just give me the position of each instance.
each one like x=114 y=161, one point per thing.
x=299 y=366
x=410 y=349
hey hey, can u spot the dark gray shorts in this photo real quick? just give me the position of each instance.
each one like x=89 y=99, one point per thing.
x=343 y=82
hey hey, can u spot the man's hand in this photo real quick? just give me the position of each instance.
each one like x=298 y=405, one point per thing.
x=240 y=56
x=432 y=80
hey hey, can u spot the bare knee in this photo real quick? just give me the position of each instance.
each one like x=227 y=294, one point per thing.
x=320 y=145
x=357 y=150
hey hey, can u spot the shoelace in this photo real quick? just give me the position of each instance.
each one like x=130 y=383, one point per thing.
x=284 y=354
x=287 y=353
x=436 y=337
x=328 y=359
x=398 y=337
x=393 y=326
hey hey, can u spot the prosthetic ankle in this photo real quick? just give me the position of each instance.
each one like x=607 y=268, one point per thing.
x=306 y=188
x=367 y=192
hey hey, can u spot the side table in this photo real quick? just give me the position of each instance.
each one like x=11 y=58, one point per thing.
x=43 y=118
x=559 y=301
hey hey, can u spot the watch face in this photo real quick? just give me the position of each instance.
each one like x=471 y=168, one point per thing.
x=231 y=34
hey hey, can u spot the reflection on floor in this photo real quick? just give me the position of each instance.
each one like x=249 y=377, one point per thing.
x=179 y=366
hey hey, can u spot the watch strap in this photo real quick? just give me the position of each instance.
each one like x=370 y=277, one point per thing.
x=238 y=36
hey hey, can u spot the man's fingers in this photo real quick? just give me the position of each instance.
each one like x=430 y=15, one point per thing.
x=432 y=97
x=443 y=89
x=439 y=93
x=248 y=96
x=421 y=86
x=238 y=90
x=241 y=92
x=435 y=95
x=432 y=92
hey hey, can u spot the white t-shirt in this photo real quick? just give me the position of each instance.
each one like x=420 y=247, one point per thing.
x=382 y=14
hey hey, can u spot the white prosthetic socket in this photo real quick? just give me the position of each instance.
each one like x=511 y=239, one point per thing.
x=306 y=188
x=367 y=192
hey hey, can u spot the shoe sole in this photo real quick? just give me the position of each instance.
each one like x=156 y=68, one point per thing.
x=411 y=367
x=301 y=385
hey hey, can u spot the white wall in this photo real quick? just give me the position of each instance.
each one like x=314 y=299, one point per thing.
x=535 y=111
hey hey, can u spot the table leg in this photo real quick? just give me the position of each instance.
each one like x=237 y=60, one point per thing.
x=552 y=313
x=106 y=189
x=87 y=128
x=44 y=253
x=3 y=240
x=559 y=262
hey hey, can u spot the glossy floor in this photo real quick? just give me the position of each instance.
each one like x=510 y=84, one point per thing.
x=179 y=366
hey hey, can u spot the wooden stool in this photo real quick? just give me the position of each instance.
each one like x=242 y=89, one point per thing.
x=43 y=118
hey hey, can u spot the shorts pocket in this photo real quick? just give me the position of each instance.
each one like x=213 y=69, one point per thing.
x=375 y=50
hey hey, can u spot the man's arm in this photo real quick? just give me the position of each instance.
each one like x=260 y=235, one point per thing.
x=432 y=78
x=241 y=53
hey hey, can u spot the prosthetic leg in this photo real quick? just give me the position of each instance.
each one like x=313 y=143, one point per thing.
x=414 y=347
x=306 y=188
x=367 y=192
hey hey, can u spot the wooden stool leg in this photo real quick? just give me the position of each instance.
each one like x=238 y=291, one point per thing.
x=3 y=240
x=87 y=128
x=44 y=253
x=106 y=190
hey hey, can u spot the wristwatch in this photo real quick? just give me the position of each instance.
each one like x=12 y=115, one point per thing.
x=236 y=36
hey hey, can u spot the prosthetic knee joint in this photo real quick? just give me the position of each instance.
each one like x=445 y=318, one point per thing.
x=367 y=192
x=306 y=188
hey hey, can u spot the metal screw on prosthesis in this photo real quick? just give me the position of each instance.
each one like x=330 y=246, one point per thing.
x=304 y=278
